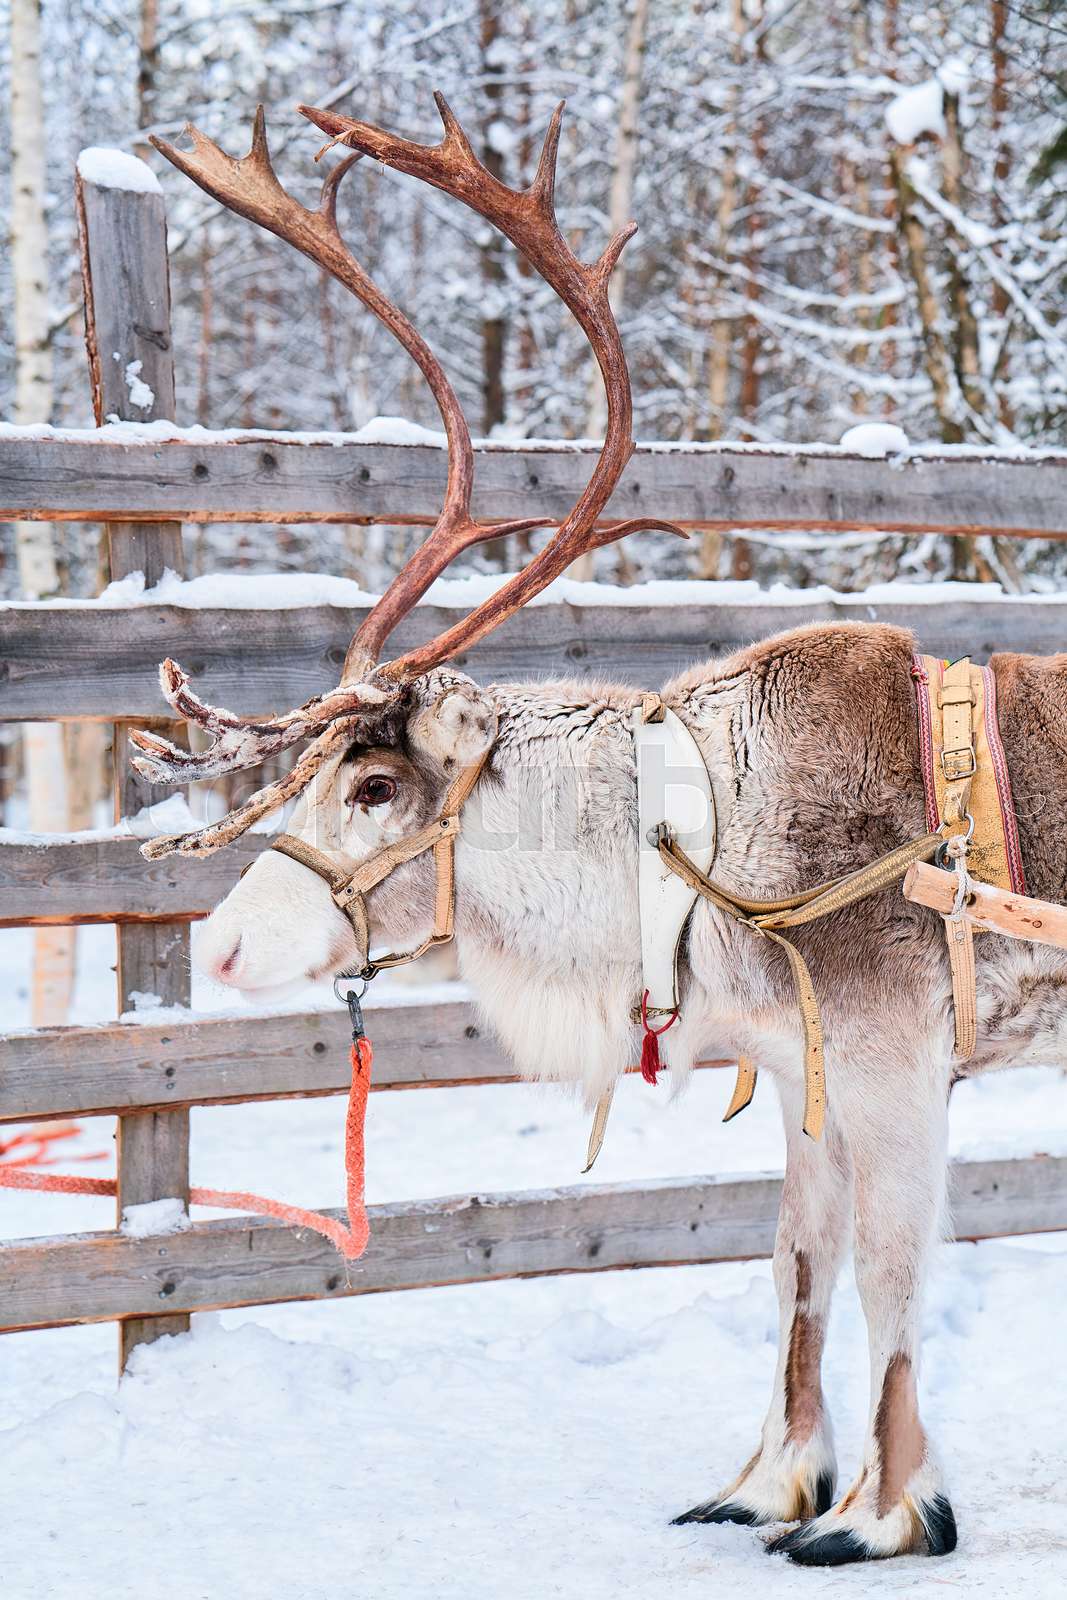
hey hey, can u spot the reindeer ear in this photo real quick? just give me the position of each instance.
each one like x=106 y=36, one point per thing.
x=454 y=730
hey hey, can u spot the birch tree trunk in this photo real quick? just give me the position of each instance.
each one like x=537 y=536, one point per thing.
x=723 y=330
x=53 y=948
x=856 y=183
x=620 y=201
x=490 y=251
x=29 y=262
x=968 y=372
x=620 y=207
x=998 y=108
x=936 y=356
x=147 y=71
x=751 y=350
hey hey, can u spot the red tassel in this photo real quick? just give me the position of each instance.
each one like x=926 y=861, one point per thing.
x=650 y=1061
x=651 y=1065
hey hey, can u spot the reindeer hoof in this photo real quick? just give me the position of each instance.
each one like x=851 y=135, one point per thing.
x=720 y=1511
x=839 y=1546
x=940 y=1523
x=825 y=1550
x=813 y=1503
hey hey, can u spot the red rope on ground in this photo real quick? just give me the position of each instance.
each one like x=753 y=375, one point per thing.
x=351 y=1241
x=37 y=1139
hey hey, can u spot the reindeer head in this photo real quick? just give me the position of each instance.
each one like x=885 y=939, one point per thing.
x=281 y=926
x=389 y=744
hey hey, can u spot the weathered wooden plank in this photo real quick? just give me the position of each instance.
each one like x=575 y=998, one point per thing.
x=127 y=302
x=95 y=1277
x=270 y=480
x=126 y=282
x=115 y=1067
x=84 y=1071
x=108 y=880
x=60 y=662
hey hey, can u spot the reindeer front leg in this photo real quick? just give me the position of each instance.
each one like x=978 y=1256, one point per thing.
x=792 y=1474
x=897 y=1123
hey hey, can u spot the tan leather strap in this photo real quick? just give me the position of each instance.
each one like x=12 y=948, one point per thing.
x=958 y=763
x=959 y=936
x=597 y=1131
x=349 y=889
x=970 y=807
x=744 y=1088
x=764 y=916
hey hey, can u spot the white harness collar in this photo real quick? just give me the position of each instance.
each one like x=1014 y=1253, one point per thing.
x=673 y=793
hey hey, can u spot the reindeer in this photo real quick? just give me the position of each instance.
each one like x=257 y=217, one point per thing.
x=810 y=741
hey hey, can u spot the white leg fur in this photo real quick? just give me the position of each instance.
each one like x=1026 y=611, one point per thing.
x=793 y=1472
x=897 y=1503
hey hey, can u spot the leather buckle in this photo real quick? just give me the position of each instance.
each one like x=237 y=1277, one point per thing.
x=957 y=758
x=955 y=694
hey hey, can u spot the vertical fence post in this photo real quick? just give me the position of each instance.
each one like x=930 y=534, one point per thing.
x=123 y=234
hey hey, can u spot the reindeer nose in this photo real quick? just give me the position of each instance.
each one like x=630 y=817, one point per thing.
x=226 y=970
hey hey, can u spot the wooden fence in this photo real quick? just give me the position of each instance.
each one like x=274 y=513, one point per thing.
x=100 y=663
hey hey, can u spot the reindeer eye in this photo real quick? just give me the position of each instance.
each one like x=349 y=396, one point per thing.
x=376 y=791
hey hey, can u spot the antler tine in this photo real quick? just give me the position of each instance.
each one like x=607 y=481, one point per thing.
x=236 y=742
x=204 y=841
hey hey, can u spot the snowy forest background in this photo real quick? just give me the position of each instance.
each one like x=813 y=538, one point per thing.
x=799 y=268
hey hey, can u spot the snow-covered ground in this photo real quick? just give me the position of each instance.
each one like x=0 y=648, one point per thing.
x=512 y=1439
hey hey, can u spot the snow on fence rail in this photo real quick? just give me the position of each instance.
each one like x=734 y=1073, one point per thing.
x=97 y=660
x=200 y=476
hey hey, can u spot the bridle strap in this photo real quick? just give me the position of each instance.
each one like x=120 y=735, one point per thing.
x=348 y=889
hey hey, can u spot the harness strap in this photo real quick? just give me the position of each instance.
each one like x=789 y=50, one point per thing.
x=763 y=917
x=972 y=796
x=349 y=889
x=744 y=1089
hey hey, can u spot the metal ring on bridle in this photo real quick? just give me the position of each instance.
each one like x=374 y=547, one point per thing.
x=344 y=995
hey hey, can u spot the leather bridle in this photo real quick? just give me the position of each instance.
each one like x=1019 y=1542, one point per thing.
x=349 y=889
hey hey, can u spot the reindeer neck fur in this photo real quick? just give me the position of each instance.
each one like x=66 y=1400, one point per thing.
x=547 y=873
x=547 y=909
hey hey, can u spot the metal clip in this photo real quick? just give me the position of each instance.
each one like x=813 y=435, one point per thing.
x=353 y=997
x=941 y=854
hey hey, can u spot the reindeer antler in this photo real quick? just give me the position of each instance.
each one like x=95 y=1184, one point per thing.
x=526 y=217
x=250 y=187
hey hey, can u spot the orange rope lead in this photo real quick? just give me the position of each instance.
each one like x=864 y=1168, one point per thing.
x=351 y=1241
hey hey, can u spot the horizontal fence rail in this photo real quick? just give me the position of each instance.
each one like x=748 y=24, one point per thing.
x=80 y=661
x=470 y=1239
x=108 y=880
x=278 y=480
x=143 y=1066
x=53 y=1072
